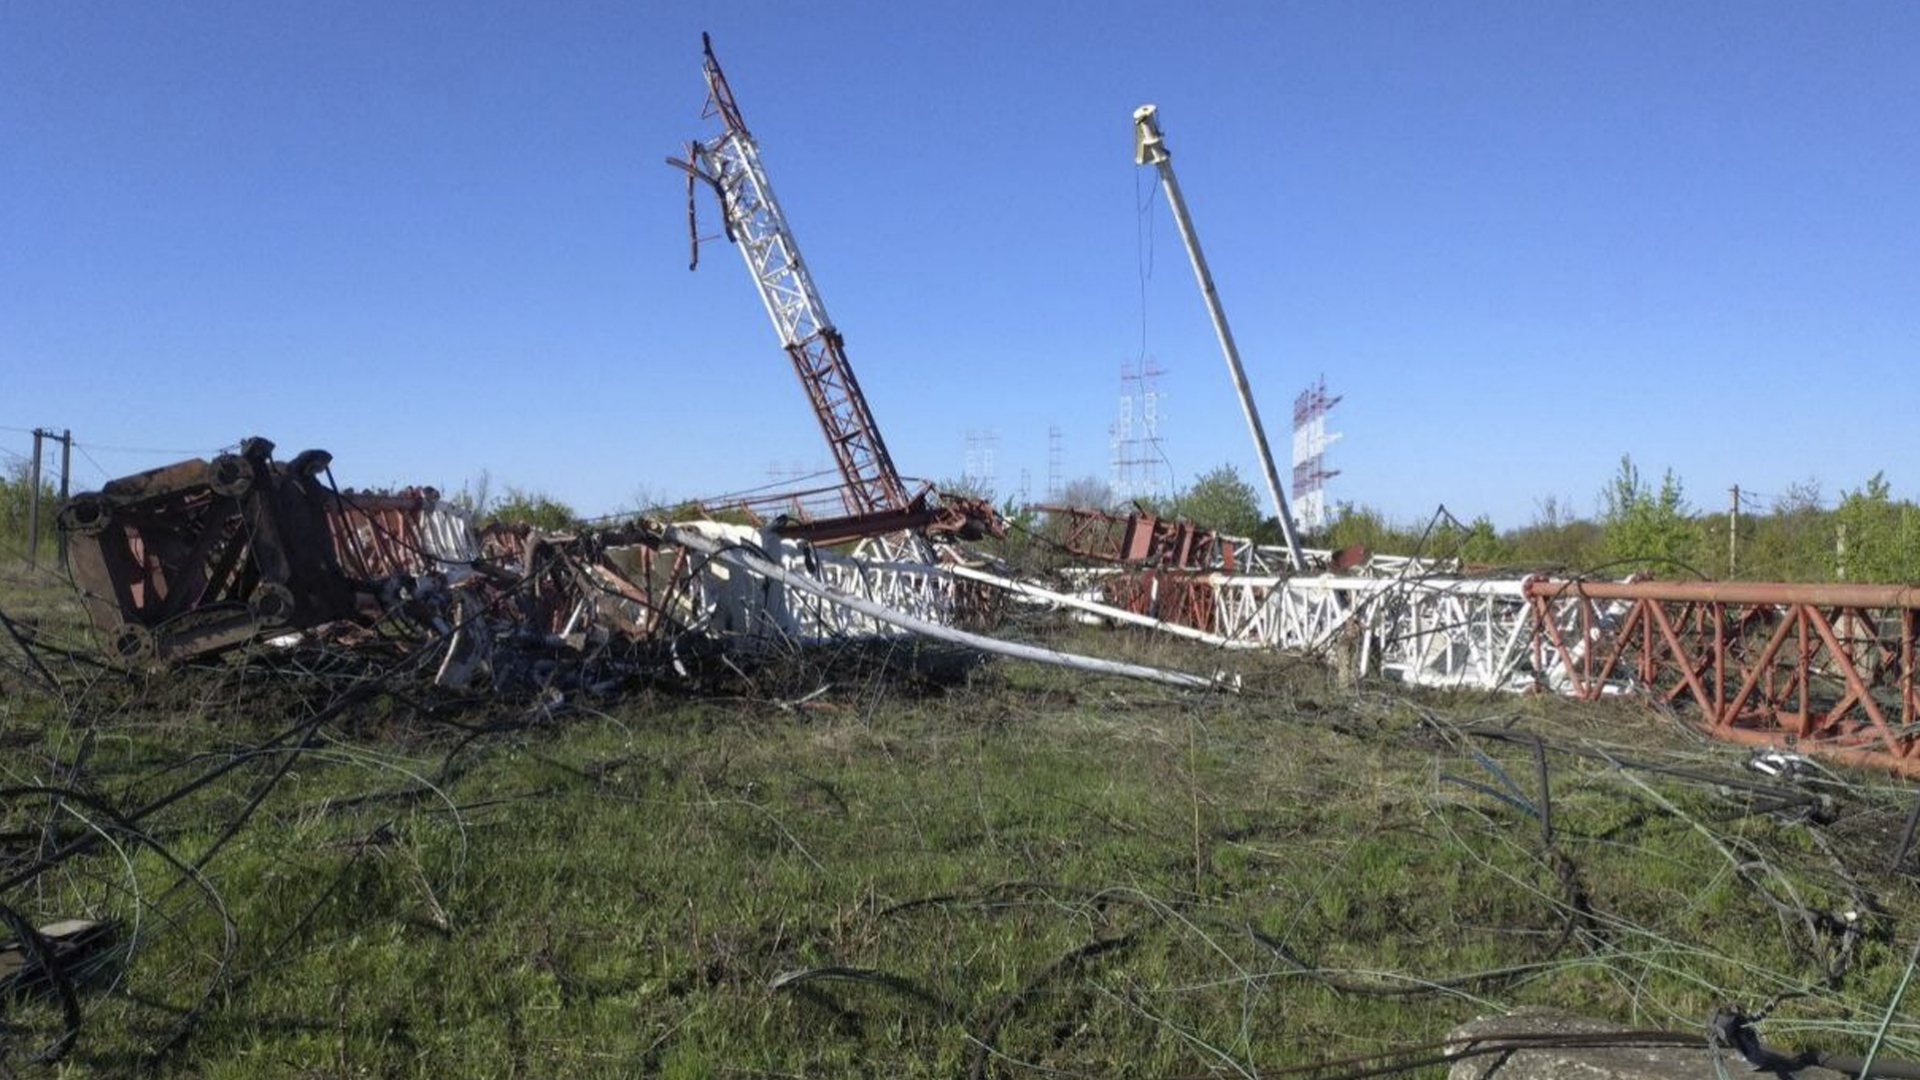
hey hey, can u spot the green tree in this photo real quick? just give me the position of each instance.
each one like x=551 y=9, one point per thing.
x=1881 y=536
x=16 y=492
x=1556 y=537
x=1222 y=501
x=1794 y=542
x=1479 y=544
x=1368 y=527
x=475 y=495
x=1647 y=530
x=536 y=508
x=966 y=487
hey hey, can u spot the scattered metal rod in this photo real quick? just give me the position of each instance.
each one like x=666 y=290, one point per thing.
x=1899 y=859
x=789 y=979
x=1525 y=738
x=1733 y=1028
x=36 y=668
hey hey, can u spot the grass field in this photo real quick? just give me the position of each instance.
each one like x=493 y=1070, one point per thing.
x=1023 y=873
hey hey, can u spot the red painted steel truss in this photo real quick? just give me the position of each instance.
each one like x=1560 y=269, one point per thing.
x=1820 y=668
x=1145 y=539
x=1175 y=596
x=1827 y=668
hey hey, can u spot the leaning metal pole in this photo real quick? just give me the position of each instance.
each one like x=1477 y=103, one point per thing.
x=1149 y=148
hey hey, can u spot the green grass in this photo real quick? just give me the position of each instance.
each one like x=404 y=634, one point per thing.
x=629 y=891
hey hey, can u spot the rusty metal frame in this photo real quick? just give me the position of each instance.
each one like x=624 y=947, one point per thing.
x=1825 y=668
x=200 y=555
x=1146 y=539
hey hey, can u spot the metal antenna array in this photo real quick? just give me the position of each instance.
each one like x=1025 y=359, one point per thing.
x=1152 y=475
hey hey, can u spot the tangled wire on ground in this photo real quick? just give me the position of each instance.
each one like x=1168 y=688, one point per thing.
x=107 y=847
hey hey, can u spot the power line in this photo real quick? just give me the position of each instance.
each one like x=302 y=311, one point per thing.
x=105 y=448
x=146 y=449
x=104 y=474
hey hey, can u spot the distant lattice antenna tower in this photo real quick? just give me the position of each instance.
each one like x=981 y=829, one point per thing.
x=1056 y=464
x=1121 y=441
x=982 y=448
x=1026 y=484
x=1310 y=442
x=1153 y=477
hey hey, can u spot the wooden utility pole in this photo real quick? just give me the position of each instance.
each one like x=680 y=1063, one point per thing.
x=1733 y=533
x=33 y=504
x=41 y=437
x=66 y=475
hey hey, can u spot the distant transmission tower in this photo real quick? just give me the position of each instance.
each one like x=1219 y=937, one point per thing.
x=981 y=450
x=784 y=474
x=1310 y=442
x=1139 y=467
x=1153 y=476
x=1056 y=464
x=1120 y=440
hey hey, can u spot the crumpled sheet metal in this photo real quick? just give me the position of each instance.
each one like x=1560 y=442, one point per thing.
x=379 y=534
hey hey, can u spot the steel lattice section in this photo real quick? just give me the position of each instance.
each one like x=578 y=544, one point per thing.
x=731 y=162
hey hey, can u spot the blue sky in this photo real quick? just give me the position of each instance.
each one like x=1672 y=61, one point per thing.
x=1520 y=238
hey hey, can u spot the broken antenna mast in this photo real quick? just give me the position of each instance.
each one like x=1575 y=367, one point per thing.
x=729 y=163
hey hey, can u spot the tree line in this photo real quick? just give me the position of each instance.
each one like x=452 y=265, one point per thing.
x=1641 y=525
x=16 y=490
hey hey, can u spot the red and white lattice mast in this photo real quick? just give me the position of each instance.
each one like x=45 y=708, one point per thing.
x=730 y=164
x=1310 y=442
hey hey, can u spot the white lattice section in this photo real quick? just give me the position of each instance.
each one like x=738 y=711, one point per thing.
x=728 y=602
x=1431 y=631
